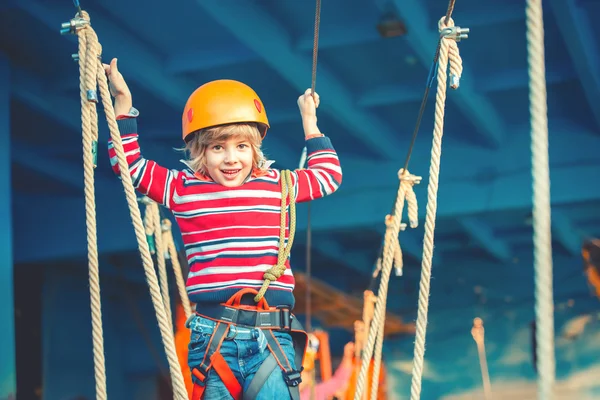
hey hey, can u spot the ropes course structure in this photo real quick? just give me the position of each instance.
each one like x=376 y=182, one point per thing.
x=154 y=235
x=446 y=56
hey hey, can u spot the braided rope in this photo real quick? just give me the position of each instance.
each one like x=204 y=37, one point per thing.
x=160 y=261
x=448 y=53
x=92 y=73
x=174 y=256
x=478 y=333
x=377 y=359
x=154 y=234
x=89 y=134
x=275 y=272
x=391 y=235
x=542 y=236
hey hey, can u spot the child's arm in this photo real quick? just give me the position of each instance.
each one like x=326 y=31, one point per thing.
x=324 y=173
x=341 y=376
x=148 y=178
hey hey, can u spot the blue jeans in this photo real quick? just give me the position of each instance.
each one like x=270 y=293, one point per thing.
x=244 y=349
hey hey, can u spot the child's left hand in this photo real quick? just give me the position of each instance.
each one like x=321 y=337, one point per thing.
x=308 y=105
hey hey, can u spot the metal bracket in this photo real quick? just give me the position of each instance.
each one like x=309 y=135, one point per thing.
x=455 y=32
x=72 y=26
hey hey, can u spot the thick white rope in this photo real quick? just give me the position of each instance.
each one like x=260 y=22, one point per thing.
x=448 y=52
x=377 y=358
x=478 y=333
x=89 y=128
x=542 y=236
x=407 y=181
x=92 y=74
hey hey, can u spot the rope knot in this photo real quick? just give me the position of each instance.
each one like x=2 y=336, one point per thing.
x=408 y=181
x=450 y=35
x=166 y=225
x=443 y=25
x=83 y=15
x=274 y=272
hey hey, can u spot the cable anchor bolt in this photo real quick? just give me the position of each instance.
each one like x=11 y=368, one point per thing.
x=72 y=26
x=455 y=32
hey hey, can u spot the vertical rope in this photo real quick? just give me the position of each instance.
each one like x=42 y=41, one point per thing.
x=432 y=188
x=87 y=81
x=478 y=333
x=174 y=256
x=542 y=236
x=160 y=260
x=391 y=235
x=92 y=74
x=377 y=358
x=315 y=46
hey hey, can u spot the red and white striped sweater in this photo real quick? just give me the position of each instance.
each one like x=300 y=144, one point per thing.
x=231 y=235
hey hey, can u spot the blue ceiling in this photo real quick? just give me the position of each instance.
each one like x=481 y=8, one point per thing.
x=371 y=88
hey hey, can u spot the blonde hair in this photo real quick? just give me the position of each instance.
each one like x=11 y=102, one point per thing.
x=196 y=147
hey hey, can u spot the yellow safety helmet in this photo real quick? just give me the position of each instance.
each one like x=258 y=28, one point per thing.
x=223 y=102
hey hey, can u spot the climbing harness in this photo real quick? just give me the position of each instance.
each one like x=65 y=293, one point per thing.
x=478 y=333
x=446 y=53
x=262 y=316
x=92 y=75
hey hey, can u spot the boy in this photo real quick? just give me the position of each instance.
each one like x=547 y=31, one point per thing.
x=227 y=205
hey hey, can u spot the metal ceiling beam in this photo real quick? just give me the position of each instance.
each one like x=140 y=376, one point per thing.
x=267 y=37
x=565 y=231
x=485 y=238
x=136 y=62
x=505 y=80
x=582 y=45
x=467 y=196
x=475 y=107
x=203 y=59
x=351 y=35
x=357 y=261
x=64 y=172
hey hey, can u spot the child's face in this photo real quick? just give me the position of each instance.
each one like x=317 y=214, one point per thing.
x=230 y=162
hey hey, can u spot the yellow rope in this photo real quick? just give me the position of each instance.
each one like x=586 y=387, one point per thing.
x=276 y=271
x=92 y=74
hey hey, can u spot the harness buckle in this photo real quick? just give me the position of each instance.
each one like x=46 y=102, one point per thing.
x=285 y=318
x=293 y=378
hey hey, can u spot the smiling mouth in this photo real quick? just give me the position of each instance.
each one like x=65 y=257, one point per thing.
x=230 y=173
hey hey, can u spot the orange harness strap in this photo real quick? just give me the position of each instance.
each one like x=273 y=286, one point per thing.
x=214 y=359
x=230 y=381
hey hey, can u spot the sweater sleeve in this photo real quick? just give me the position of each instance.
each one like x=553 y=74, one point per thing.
x=324 y=173
x=149 y=178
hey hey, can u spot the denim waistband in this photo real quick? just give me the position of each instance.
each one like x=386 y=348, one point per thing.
x=204 y=325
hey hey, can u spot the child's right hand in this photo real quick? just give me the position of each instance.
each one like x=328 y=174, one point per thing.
x=116 y=82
